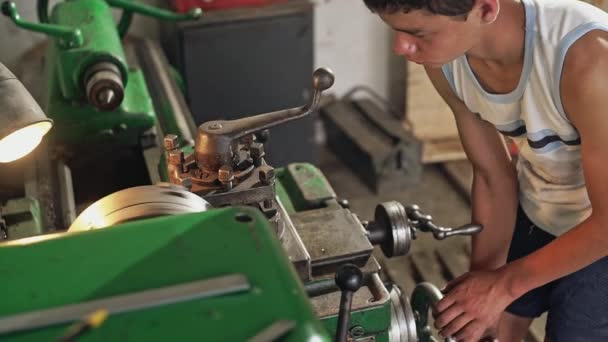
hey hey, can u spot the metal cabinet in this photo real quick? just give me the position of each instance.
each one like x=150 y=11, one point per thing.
x=248 y=61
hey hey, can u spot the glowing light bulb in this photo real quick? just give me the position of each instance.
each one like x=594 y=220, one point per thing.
x=23 y=141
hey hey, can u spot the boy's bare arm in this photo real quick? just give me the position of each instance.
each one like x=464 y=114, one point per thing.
x=584 y=87
x=476 y=299
x=494 y=193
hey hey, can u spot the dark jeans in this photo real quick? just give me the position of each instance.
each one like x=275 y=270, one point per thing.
x=577 y=303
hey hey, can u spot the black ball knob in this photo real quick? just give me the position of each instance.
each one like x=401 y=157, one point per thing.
x=7 y=8
x=262 y=136
x=322 y=79
x=349 y=278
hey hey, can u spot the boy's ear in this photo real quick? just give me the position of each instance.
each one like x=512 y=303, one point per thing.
x=488 y=10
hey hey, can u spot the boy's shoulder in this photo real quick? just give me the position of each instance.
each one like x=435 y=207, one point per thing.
x=555 y=19
x=560 y=10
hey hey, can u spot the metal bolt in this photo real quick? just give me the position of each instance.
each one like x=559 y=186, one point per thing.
x=262 y=136
x=247 y=140
x=266 y=174
x=344 y=203
x=240 y=157
x=257 y=153
x=256 y=149
x=171 y=142
x=176 y=157
x=215 y=126
x=357 y=331
x=226 y=176
x=188 y=162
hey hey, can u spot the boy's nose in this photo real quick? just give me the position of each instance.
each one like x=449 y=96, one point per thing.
x=404 y=45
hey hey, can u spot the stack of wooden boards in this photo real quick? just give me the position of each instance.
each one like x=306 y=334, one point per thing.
x=431 y=119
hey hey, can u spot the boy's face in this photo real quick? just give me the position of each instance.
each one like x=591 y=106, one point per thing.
x=432 y=40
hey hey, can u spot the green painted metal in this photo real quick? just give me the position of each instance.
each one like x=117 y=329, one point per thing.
x=305 y=186
x=22 y=217
x=80 y=123
x=76 y=122
x=127 y=16
x=167 y=117
x=375 y=322
x=102 y=44
x=154 y=253
x=179 y=79
x=283 y=194
x=84 y=34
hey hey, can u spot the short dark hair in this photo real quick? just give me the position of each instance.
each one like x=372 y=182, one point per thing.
x=442 y=7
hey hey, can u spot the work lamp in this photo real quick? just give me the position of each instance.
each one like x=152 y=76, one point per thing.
x=22 y=121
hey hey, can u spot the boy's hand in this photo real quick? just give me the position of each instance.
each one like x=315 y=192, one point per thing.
x=472 y=305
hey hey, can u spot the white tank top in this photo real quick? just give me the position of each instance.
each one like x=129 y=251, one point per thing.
x=552 y=188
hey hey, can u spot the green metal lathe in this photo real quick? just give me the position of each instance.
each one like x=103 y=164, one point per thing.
x=227 y=248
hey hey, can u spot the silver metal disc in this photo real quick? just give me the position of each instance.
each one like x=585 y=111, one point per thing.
x=401 y=232
x=403 y=323
x=138 y=203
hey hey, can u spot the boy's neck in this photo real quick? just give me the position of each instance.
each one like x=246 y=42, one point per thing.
x=502 y=42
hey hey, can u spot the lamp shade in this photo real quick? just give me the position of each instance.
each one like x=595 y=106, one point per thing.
x=22 y=121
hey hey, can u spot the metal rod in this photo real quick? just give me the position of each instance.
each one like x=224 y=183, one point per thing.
x=320 y=288
x=346 y=301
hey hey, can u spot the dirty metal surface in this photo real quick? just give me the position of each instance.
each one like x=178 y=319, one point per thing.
x=332 y=236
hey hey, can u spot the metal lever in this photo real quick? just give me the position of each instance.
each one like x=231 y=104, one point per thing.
x=349 y=279
x=129 y=7
x=425 y=223
x=155 y=12
x=68 y=37
x=214 y=140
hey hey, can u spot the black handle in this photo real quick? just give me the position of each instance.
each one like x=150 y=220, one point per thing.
x=349 y=279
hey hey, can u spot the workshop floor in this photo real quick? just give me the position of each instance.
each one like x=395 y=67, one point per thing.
x=428 y=259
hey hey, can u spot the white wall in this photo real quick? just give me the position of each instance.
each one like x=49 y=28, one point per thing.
x=349 y=39
x=354 y=43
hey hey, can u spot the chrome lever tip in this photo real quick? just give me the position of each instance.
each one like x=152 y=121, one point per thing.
x=322 y=79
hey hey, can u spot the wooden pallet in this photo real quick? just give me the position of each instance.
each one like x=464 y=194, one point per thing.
x=439 y=266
